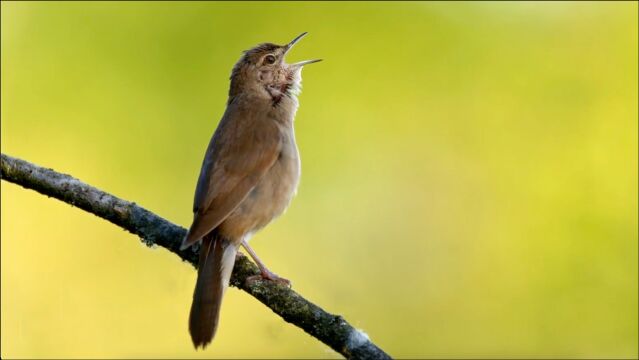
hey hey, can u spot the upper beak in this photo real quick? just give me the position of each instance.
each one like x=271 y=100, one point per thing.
x=289 y=46
x=294 y=41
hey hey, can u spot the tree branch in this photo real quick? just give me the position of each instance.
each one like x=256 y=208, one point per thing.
x=330 y=329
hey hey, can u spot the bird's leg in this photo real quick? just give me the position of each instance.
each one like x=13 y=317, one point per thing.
x=264 y=272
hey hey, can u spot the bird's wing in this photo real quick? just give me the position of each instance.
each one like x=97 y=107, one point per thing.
x=239 y=154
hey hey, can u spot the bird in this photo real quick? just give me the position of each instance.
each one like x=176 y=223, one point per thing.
x=249 y=175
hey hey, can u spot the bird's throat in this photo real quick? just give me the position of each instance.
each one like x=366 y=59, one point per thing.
x=279 y=91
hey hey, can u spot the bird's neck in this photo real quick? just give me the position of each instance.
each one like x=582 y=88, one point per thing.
x=252 y=102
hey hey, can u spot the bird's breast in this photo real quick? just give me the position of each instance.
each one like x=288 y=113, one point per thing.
x=272 y=194
x=279 y=185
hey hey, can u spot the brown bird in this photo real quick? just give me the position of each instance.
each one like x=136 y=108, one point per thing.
x=249 y=175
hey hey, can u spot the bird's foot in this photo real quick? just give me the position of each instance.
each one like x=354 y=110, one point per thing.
x=266 y=274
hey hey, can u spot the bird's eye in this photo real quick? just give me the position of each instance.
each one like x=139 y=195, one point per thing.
x=269 y=59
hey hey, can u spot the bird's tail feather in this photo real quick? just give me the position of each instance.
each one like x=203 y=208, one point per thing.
x=217 y=257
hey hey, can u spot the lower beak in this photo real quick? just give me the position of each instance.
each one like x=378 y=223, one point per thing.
x=305 y=62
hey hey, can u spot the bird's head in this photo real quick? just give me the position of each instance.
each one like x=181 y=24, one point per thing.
x=263 y=71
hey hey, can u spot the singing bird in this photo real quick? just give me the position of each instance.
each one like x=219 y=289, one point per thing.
x=249 y=175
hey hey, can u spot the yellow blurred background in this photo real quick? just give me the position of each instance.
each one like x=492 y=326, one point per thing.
x=469 y=176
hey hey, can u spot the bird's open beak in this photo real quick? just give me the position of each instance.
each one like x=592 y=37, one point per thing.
x=289 y=46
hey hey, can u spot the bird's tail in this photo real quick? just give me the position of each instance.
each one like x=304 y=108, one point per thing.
x=217 y=257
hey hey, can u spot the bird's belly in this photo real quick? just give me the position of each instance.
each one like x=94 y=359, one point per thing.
x=267 y=200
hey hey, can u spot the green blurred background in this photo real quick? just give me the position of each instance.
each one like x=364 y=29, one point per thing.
x=469 y=183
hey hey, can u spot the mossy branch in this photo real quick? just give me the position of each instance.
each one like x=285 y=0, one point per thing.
x=330 y=329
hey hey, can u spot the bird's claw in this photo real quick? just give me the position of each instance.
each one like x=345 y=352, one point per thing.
x=267 y=275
